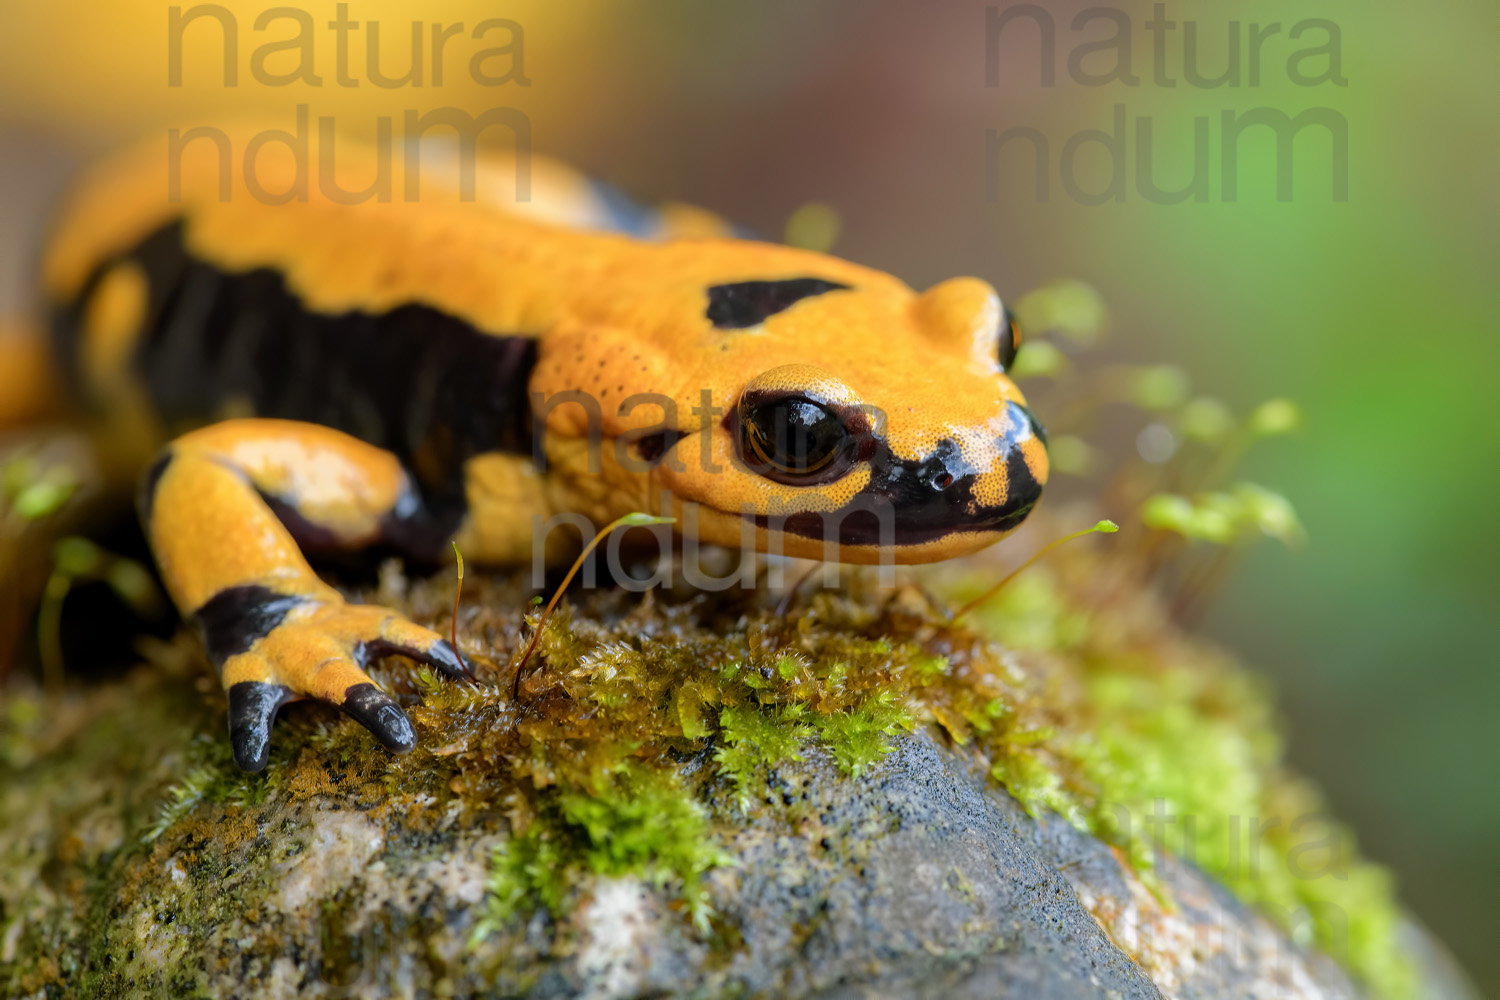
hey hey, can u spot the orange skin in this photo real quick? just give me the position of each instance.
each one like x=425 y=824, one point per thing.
x=916 y=378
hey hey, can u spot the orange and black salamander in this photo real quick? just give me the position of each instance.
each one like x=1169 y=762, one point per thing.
x=316 y=373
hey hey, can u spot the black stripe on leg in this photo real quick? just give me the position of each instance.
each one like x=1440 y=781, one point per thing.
x=252 y=708
x=236 y=618
x=373 y=709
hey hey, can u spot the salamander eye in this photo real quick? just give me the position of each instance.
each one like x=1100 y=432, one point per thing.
x=793 y=440
x=1010 y=339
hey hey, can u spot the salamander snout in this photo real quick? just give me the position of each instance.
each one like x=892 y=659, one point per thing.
x=970 y=482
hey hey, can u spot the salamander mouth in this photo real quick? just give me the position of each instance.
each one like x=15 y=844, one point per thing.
x=913 y=502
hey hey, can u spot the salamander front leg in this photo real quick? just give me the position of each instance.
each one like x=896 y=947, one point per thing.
x=274 y=630
x=310 y=648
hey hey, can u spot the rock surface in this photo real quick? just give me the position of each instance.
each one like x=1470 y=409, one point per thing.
x=919 y=879
x=686 y=803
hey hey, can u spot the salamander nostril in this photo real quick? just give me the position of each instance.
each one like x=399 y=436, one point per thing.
x=943 y=468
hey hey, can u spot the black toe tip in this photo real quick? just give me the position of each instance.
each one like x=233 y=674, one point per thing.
x=447 y=659
x=252 y=708
x=373 y=709
x=440 y=655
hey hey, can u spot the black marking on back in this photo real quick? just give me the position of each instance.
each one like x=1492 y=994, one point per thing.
x=747 y=303
x=237 y=618
x=416 y=381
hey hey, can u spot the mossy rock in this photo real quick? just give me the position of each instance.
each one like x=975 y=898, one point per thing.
x=701 y=795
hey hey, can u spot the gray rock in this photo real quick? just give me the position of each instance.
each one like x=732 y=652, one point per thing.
x=921 y=879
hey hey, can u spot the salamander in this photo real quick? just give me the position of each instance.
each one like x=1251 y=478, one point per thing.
x=290 y=369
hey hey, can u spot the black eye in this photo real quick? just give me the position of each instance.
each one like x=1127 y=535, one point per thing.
x=1010 y=339
x=793 y=440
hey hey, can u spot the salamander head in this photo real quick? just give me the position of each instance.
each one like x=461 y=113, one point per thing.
x=851 y=418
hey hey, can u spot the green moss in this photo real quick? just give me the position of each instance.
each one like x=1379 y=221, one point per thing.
x=647 y=823
x=209 y=774
x=752 y=738
x=1036 y=783
x=857 y=738
x=644 y=823
x=139 y=753
x=524 y=871
x=1083 y=699
x=1169 y=746
x=34 y=487
x=1185 y=762
x=181 y=799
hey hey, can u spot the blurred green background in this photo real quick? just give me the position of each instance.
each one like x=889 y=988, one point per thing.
x=1378 y=314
